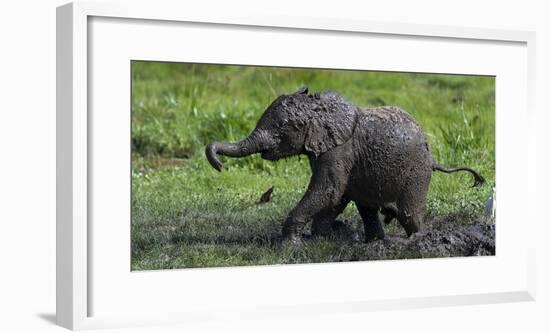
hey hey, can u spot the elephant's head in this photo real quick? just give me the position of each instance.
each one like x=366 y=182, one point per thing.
x=299 y=123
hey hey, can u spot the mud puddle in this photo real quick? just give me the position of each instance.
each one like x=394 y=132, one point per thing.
x=440 y=236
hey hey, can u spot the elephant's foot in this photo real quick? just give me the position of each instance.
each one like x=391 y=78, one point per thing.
x=374 y=233
x=291 y=235
x=336 y=229
x=325 y=224
x=410 y=222
x=342 y=230
x=322 y=228
x=389 y=211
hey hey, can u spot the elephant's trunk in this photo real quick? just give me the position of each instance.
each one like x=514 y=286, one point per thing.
x=243 y=148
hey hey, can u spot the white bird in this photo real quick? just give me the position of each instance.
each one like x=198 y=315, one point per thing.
x=490 y=205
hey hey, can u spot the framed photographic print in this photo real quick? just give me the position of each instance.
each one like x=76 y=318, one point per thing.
x=269 y=165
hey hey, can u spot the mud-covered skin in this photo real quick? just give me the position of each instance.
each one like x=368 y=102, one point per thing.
x=377 y=157
x=393 y=172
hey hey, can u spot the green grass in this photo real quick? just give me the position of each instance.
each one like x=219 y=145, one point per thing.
x=186 y=214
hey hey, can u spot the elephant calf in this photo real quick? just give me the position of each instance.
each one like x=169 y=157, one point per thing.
x=376 y=157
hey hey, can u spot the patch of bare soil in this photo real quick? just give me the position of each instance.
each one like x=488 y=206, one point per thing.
x=440 y=236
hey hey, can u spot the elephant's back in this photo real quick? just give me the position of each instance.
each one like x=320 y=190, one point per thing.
x=392 y=130
x=389 y=118
x=391 y=152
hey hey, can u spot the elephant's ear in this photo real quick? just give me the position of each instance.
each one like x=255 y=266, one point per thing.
x=330 y=126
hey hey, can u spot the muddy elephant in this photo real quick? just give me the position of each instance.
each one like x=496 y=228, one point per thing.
x=377 y=157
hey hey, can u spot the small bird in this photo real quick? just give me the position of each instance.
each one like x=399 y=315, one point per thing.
x=266 y=197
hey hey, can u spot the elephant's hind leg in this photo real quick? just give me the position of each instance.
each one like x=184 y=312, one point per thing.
x=411 y=205
x=323 y=223
x=373 y=226
x=410 y=220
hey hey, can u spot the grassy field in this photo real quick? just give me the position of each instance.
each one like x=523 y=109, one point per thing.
x=186 y=214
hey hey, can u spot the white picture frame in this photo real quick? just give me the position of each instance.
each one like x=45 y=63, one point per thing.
x=76 y=289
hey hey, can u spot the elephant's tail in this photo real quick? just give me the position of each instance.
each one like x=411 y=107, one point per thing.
x=478 y=179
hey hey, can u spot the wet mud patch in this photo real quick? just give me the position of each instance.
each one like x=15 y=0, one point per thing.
x=441 y=236
x=196 y=239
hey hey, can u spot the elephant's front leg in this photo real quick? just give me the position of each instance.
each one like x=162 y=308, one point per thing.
x=324 y=193
x=324 y=223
